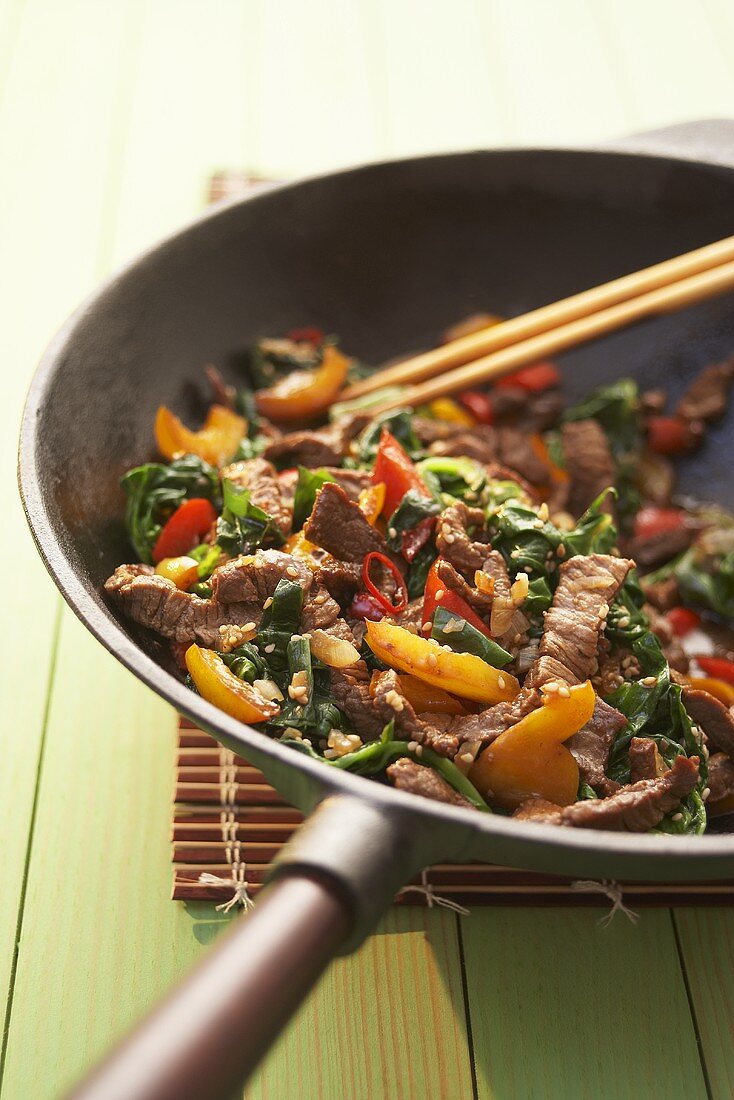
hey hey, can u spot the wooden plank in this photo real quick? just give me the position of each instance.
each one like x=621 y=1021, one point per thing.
x=561 y=1007
x=706 y=939
x=387 y=1022
x=49 y=221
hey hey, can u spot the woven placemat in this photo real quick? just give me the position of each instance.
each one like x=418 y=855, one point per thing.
x=229 y=823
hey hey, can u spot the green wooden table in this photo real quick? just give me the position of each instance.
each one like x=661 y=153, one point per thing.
x=112 y=116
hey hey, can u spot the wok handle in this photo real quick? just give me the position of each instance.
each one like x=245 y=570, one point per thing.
x=209 y=1035
x=710 y=140
x=330 y=885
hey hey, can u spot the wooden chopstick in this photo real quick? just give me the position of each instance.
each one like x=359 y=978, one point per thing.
x=545 y=319
x=665 y=299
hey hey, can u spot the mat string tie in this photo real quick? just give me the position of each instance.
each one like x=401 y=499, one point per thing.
x=613 y=891
x=432 y=898
x=239 y=886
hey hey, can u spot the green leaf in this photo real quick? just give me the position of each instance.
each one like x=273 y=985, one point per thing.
x=242 y=526
x=399 y=422
x=154 y=492
x=411 y=511
x=208 y=558
x=467 y=639
x=308 y=485
x=454 y=477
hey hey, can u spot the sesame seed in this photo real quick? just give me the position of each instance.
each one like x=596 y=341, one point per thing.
x=677 y=817
x=623 y=622
x=419 y=750
x=426 y=628
x=543 y=512
x=392 y=532
x=550 y=688
x=412 y=746
x=561 y=551
x=320 y=599
x=705 y=793
x=440 y=593
x=432 y=661
x=564 y=691
x=603 y=610
x=267 y=603
x=270 y=648
x=467 y=758
x=649 y=681
x=250 y=626
x=501 y=682
x=291 y=571
x=449 y=537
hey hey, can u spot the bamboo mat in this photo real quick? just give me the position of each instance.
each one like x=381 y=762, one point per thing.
x=229 y=823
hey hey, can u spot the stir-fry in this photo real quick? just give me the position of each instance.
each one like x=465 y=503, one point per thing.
x=495 y=601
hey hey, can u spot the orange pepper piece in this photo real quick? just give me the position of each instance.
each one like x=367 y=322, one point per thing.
x=718 y=688
x=302 y=395
x=216 y=442
x=183 y=571
x=371 y=501
x=221 y=687
x=529 y=760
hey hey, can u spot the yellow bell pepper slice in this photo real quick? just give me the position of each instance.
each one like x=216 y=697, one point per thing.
x=371 y=501
x=216 y=442
x=302 y=395
x=219 y=686
x=183 y=571
x=529 y=760
x=461 y=674
x=445 y=408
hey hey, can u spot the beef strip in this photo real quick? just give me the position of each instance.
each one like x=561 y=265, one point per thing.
x=251 y=578
x=488 y=724
x=586 y=587
x=589 y=462
x=451 y=579
x=337 y=524
x=633 y=809
x=516 y=451
x=662 y=595
x=720 y=779
x=454 y=543
x=261 y=478
x=351 y=481
x=350 y=689
x=657 y=549
x=590 y=746
x=155 y=602
x=406 y=775
x=706 y=397
x=341 y=579
x=716 y=720
x=321 y=447
x=222 y=392
x=478 y=443
x=645 y=760
x=432 y=730
x=320 y=611
x=412 y=615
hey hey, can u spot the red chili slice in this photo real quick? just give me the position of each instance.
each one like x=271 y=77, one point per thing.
x=478 y=404
x=534 y=379
x=402 y=591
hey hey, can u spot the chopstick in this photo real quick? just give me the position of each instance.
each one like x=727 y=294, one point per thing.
x=665 y=299
x=545 y=319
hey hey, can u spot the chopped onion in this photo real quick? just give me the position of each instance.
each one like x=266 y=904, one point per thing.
x=335 y=652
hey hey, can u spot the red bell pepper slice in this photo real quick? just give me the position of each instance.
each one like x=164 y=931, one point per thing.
x=534 y=379
x=184 y=529
x=652 y=520
x=682 y=620
x=717 y=667
x=670 y=435
x=306 y=335
x=364 y=606
x=438 y=595
x=394 y=467
x=415 y=539
x=479 y=405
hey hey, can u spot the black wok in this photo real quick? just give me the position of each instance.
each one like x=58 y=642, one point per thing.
x=386 y=255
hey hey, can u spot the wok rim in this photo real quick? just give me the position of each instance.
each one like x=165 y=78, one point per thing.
x=686 y=852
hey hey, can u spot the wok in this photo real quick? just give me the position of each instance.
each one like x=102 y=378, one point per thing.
x=386 y=255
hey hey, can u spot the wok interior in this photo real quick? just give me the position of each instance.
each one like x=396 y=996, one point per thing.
x=387 y=257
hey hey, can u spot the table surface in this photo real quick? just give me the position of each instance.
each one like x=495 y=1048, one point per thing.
x=112 y=116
